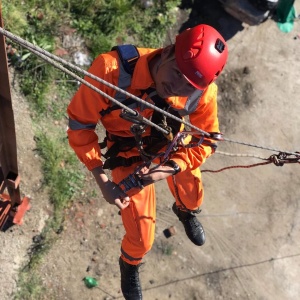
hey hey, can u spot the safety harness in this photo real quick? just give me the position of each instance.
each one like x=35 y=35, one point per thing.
x=147 y=146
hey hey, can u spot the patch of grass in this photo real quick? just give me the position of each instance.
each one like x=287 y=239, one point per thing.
x=29 y=287
x=107 y=23
x=148 y=27
x=13 y=17
x=60 y=169
x=63 y=180
x=101 y=23
x=30 y=284
x=166 y=248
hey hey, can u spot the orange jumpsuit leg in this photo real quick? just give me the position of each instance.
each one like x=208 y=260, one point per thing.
x=188 y=187
x=138 y=220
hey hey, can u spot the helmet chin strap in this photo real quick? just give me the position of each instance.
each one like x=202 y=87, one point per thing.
x=195 y=95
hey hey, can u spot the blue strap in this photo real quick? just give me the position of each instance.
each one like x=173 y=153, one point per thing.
x=128 y=55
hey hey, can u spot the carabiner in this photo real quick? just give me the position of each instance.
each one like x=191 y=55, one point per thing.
x=218 y=136
x=130 y=182
x=135 y=117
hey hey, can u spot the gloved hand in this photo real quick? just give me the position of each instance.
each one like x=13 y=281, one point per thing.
x=111 y=192
x=155 y=174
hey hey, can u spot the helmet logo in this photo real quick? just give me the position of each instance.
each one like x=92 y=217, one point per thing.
x=188 y=55
x=198 y=74
x=220 y=46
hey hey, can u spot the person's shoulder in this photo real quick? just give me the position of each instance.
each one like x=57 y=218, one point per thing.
x=144 y=51
x=108 y=56
x=213 y=86
x=210 y=94
x=211 y=89
x=112 y=56
x=106 y=60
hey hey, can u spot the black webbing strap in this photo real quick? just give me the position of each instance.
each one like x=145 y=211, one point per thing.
x=118 y=161
x=126 y=102
x=158 y=101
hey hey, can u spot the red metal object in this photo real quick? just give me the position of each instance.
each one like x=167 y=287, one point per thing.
x=12 y=207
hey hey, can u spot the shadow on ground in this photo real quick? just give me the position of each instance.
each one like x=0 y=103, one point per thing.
x=211 y=12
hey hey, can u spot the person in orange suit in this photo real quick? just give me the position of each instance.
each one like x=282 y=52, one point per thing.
x=178 y=78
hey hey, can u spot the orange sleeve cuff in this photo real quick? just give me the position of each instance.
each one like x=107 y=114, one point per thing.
x=93 y=164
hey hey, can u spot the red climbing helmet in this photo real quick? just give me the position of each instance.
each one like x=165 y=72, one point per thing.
x=201 y=54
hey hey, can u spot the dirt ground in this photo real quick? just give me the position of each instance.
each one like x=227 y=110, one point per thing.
x=251 y=215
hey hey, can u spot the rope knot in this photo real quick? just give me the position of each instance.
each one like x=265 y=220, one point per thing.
x=281 y=158
x=276 y=160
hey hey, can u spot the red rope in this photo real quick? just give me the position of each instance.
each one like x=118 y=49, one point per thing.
x=236 y=167
x=279 y=160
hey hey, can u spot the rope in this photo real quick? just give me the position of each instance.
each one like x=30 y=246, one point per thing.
x=258 y=146
x=236 y=167
x=52 y=59
x=45 y=55
x=278 y=160
x=239 y=155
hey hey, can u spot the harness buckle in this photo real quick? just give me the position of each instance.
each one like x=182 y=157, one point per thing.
x=130 y=182
x=135 y=118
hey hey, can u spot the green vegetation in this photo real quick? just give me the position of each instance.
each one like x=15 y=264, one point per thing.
x=30 y=286
x=166 y=248
x=106 y=22
x=101 y=24
x=60 y=176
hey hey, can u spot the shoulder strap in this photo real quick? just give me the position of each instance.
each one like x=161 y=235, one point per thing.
x=128 y=55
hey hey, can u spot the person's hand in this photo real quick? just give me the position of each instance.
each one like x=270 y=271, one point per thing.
x=155 y=174
x=111 y=192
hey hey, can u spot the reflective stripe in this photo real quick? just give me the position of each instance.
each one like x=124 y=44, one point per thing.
x=75 y=125
x=130 y=257
x=191 y=103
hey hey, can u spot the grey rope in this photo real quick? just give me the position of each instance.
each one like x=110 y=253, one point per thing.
x=45 y=55
x=41 y=53
x=52 y=59
x=258 y=146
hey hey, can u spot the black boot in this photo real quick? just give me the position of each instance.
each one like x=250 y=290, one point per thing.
x=130 y=281
x=193 y=228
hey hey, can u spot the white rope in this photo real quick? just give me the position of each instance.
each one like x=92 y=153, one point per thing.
x=240 y=155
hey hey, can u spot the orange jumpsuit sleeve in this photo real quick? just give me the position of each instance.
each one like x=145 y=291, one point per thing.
x=84 y=110
x=204 y=117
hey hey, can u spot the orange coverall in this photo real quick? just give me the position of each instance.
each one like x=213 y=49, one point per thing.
x=84 y=113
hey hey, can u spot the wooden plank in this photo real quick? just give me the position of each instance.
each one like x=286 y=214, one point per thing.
x=8 y=151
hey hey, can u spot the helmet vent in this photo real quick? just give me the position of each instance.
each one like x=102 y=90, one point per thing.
x=198 y=44
x=191 y=54
x=220 y=46
x=201 y=35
